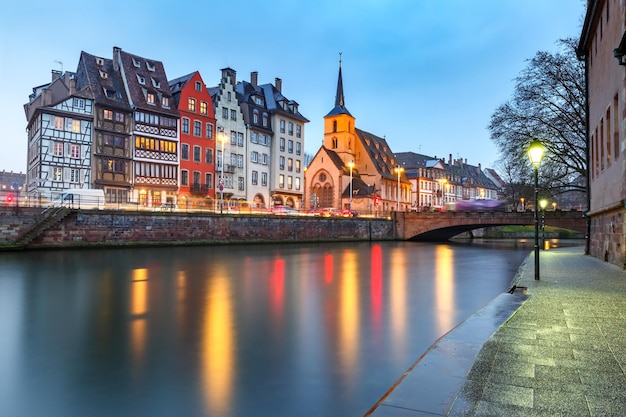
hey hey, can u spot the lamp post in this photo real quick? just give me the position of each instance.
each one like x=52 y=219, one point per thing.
x=351 y=165
x=543 y=203
x=522 y=200
x=535 y=153
x=221 y=139
x=399 y=171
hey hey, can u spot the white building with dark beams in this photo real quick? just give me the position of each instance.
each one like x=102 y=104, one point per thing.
x=59 y=131
x=155 y=134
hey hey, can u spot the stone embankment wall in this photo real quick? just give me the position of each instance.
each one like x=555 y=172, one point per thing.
x=118 y=228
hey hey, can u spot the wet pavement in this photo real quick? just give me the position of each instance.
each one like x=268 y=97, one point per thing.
x=559 y=349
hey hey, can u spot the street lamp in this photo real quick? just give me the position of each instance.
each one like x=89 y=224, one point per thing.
x=351 y=165
x=543 y=203
x=535 y=153
x=221 y=137
x=399 y=170
x=522 y=200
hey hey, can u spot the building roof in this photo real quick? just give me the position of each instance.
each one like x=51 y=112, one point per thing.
x=105 y=82
x=277 y=103
x=379 y=152
x=340 y=102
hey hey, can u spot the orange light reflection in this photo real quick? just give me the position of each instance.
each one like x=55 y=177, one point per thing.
x=444 y=287
x=377 y=286
x=398 y=301
x=349 y=313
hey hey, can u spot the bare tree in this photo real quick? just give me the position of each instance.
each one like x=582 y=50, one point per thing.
x=548 y=105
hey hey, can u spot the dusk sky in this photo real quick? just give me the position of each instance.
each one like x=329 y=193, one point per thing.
x=425 y=74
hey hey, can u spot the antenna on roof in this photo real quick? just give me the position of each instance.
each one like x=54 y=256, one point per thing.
x=61 y=64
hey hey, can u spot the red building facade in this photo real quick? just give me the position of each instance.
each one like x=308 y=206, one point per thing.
x=197 y=140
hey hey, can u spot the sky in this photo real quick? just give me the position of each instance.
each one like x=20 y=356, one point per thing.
x=424 y=74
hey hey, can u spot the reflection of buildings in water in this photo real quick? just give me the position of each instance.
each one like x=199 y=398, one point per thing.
x=444 y=287
x=348 y=339
x=277 y=290
x=138 y=311
x=398 y=300
x=328 y=268
x=376 y=288
x=217 y=346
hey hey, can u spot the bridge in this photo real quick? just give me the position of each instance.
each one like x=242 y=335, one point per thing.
x=441 y=226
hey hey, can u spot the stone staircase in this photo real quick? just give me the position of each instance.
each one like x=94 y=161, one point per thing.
x=49 y=217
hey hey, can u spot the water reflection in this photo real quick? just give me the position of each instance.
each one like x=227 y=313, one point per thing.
x=306 y=330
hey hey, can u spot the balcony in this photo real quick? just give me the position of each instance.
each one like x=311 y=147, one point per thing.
x=198 y=189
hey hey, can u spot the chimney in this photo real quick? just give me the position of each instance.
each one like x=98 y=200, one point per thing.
x=479 y=168
x=450 y=159
x=56 y=74
x=279 y=85
x=116 y=58
x=254 y=79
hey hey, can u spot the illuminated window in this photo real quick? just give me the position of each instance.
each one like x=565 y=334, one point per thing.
x=58 y=149
x=165 y=101
x=204 y=107
x=191 y=104
x=281 y=181
x=76 y=126
x=59 y=123
x=150 y=98
x=75 y=151
x=57 y=174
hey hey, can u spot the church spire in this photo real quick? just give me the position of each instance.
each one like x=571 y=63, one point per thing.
x=340 y=103
x=339 y=97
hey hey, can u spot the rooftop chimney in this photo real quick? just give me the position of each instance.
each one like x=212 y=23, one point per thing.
x=254 y=79
x=279 y=85
x=56 y=74
x=116 y=58
x=450 y=159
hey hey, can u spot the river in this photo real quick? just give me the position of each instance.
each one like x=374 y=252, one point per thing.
x=232 y=331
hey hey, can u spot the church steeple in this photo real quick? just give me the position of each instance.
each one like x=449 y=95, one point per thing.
x=340 y=104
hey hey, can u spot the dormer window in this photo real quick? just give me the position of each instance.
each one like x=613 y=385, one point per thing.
x=258 y=101
x=155 y=83
x=165 y=102
x=99 y=61
x=136 y=63
x=109 y=93
x=103 y=75
x=150 y=66
x=141 y=80
x=150 y=98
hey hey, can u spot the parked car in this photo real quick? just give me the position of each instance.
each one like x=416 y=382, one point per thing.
x=349 y=213
x=284 y=211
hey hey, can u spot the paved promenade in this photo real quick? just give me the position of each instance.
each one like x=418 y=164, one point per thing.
x=562 y=352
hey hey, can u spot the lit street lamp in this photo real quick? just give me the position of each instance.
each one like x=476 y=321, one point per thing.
x=523 y=208
x=535 y=153
x=399 y=170
x=351 y=165
x=543 y=203
x=221 y=138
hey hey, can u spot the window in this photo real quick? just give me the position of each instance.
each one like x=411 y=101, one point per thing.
x=258 y=101
x=289 y=164
x=264 y=159
x=281 y=181
x=75 y=151
x=263 y=178
x=209 y=131
x=297 y=165
x=59 y=123
x=240 y=183
x=282 y=126
x=184 y=151
x=196 y=153
x=119 y=117
x=228 y=96
x=254 y=156
x=79 y=103
x=150 y=66
x=282 y=144
x=150 y=98
x=233 y=159
x=58 y=149
x=155 y=83
x=191 y=104
x=298 y=148
x=224 y=112
x=298 y=131
x=141 y=80
x=208 y=180
x=265 y=119
x=290 y=146
x=289 y=182
x=74 y=175
x=197 y=128
x=239 y=139
x=165 y=101
x=57 y=174
x=208 y=155
x=255 y=117
x=255 y=177
x=184 y=177
x=76 y=126
x=233 y=115
x=297 y=183
x=254 y=137
x=233 y=138
x=108 y=114
x=185 y=125
x=196 y=178
x=239 y=161
x=136 y=63
x=281 y=162
x=204 y=109
x=198 y=86
x=290 y=130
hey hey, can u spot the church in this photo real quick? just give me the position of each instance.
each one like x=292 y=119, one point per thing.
x=354 y=170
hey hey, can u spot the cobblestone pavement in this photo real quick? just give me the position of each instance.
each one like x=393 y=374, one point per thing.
x=561 y=353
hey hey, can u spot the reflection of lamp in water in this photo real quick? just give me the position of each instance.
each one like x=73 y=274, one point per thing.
x=543 y=203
